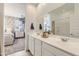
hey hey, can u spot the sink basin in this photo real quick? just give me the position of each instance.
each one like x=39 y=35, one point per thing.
x=65 y=39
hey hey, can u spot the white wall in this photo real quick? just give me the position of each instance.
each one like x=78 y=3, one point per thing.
x=74 y=22
x=30 y=18
x=45 y=8
x=1 y=28
x=14 y=9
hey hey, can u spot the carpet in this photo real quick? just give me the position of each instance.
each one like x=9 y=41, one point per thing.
x=18 y=45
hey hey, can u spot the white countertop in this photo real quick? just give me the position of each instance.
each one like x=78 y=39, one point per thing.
x=71 y=46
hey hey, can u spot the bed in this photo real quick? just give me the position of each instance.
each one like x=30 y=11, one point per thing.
x=9 y=38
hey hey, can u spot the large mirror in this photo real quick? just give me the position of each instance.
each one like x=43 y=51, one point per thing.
x=62 y=21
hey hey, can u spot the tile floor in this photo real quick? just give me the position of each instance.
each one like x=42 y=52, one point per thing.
x=19 y=45
x=21 y=53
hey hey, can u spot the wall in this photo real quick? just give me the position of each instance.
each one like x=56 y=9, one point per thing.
x=1 y=28
x=14 y=9
x=74 y=24
x=31 y=17
x=9 y=23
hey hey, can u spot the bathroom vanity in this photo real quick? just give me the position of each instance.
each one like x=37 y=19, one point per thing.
x=63 y=22
x=52 y=46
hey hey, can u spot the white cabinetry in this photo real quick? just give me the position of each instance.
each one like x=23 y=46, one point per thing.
x=46 y=52
x=37 y=47
x=34 y=46
x=52 y=51
x=31 y=45
x=40 y=48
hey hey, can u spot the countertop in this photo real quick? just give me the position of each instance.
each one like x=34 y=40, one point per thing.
x=71 y=46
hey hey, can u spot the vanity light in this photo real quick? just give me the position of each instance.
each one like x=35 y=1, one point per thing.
x=32 y=26
x=40 y=26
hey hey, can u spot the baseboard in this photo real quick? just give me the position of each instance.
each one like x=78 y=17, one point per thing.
x=30 y=52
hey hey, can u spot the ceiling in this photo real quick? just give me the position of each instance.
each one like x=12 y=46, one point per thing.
x=35 y=4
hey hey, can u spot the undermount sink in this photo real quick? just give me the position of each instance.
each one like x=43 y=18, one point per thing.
x=65 y=39
x=58 y=38
x=69 y=40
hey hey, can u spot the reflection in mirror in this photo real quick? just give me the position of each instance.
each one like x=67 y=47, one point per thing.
x=47 y=23
x=60 y=20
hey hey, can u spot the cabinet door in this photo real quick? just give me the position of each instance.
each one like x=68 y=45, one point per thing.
x=37 y=47
x=31 y=45
x=55 y=51
x=46 y=52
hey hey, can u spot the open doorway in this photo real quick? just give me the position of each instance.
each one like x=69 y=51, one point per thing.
x=14 y=28
x=14 y=34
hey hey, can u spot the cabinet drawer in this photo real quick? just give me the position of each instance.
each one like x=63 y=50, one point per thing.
x=54 y=50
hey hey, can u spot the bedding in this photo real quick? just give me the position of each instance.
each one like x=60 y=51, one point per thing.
x=9 y=38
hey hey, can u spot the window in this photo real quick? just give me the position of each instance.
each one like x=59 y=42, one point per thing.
x=47 y=23
x=19 y=25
